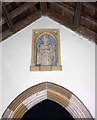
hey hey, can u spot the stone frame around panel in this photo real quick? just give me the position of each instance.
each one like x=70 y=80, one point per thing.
x=37 y=33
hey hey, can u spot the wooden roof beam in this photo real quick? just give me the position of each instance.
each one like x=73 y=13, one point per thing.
x=0 y=9
x=26 y=21
x=91 y=5
x=7 y=17
x=89 y=18
x=43 y=7
x=66 y=9
x=21 y=9
x=77 y=15
x=87 y=33
x=7 y=3
x=57 y=17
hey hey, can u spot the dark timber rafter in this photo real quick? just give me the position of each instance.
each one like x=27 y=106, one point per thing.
x=43 y=7
x=77 y=15
x=21 y=9
x=91 y=5
x=7 y=17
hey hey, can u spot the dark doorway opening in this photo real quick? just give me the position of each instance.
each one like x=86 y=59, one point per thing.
x=47 y=110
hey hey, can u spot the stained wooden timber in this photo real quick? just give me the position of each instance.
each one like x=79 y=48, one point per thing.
x=21 y=9
x=61 y=12
x=43 y=7
x=26 y=21
x=87 y=33
x=66 y=4
x=68 y=14
x=88 y=23
x=91 y=5
x=58 y=18
x=6 y=34
x=7 y=3
x=7 y=18
x=62 y=8
x=77 y=15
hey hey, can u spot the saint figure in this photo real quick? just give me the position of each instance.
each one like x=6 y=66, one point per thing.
x=45 y=52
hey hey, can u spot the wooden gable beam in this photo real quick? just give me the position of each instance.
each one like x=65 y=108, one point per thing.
x=43 y=7
x=91 y=5
x=26 y=21
x=0 y=9
x=7 y=17
x=21 y=9
x=77 y=15
x=0 y=14
x=7 y=3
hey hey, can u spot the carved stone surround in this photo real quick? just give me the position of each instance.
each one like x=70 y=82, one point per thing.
x=37 y=33
x=43 y=91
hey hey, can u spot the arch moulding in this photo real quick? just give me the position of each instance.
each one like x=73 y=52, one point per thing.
x=40 y=92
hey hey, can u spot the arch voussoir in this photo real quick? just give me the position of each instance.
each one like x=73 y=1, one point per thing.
x=41 y=92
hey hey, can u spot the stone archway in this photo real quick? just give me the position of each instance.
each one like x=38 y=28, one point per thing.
x=43 y=91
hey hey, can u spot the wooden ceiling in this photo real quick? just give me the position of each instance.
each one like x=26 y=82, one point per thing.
x=78 y=16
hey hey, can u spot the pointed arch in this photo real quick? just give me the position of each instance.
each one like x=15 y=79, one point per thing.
x=41 y=92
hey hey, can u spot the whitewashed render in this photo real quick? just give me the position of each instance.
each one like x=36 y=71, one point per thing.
x=77 y=59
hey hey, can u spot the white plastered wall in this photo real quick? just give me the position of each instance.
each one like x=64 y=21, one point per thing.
x=77 y=59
